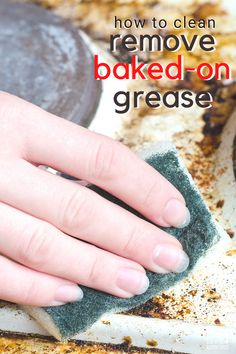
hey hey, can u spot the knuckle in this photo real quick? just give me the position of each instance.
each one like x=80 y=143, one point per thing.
x=150 y=194
x=76 y=211
x=35 y=250
x=95 y=272
x=130 y=245
x=104 y=159
x=31 y=292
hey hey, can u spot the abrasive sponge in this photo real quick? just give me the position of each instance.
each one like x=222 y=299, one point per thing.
x=68 y=320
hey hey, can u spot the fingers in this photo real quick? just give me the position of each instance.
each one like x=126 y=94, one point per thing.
x=40 y=246
x=102 y=161
x=28 y=287
x=80 y=212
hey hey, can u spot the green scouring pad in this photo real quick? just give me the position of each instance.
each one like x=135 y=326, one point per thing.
x=68 y=320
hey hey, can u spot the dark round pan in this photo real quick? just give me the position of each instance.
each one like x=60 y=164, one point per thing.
x=44 y=60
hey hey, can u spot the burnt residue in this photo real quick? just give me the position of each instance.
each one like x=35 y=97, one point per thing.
x=169 y=306
x=211 y=295
x=127 y=340
x=230 y=232
x=220 y=204
x=218 y=322
x=22 y=336
x=193 y=292
x=13 y=343
x=231 y=253
x=224 y=102
x=159 y=307
x=152 y=343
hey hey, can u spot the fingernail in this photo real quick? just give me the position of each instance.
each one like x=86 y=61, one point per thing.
x=176 y=214
x=67 y=293
x=132 y=281
x=170 y=258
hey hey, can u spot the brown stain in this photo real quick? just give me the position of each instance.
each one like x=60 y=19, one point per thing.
x=220 y=203
x=127 y=340
x=193 y=292
x=106 y=322
x=218 y=322
x=231 y=253
x=152 y=343
x=230 y=232
x=211 y=295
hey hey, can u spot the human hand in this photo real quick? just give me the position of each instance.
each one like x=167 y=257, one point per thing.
x=40 y=263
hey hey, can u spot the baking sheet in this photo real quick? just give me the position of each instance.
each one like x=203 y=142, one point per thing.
x=198 y=314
